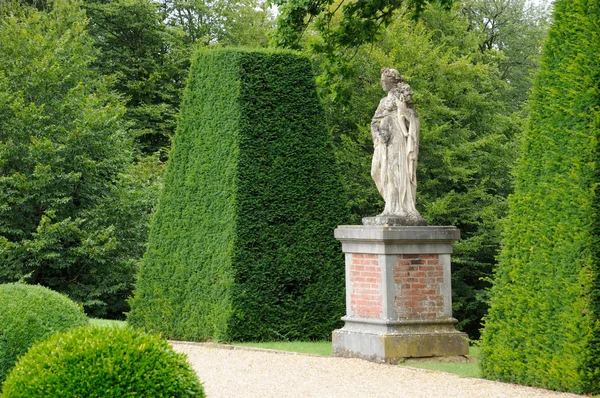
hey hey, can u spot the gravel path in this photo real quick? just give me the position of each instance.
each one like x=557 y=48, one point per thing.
x=248 y=373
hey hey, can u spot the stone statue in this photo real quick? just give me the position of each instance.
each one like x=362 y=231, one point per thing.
x=395 y=130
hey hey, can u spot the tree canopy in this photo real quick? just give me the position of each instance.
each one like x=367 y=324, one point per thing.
x=339 y=22
x=64 y=149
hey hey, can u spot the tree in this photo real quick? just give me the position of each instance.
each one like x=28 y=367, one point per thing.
x=242 y=246
x=543 y=327
x=63 y=145
x=340 y=23
x=518 y=29
x=148 y=62
x=241 y=23
x=145 y=46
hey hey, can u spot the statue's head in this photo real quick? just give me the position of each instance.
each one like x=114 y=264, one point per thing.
x=390 y=78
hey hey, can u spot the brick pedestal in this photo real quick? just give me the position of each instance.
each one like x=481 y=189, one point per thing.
x=398 y=294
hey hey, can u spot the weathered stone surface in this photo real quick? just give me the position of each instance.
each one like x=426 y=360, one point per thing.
x=395 y=132
x=395 y=348
x=396 y=240
x=411 y=219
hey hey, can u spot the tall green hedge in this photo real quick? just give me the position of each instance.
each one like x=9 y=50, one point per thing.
x=242 y=246
x=543 y=326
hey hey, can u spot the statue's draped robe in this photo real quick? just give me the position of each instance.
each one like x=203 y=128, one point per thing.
x=395 y=130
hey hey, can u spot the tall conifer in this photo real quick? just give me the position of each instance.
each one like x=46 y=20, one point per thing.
x=543 y=327
x=242 y=247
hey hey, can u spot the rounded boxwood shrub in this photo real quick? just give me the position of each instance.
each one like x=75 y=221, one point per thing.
x=102 y=362
x=29 y=314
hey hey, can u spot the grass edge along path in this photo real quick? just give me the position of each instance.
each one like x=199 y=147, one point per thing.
x=324 y=348
x=463 y=369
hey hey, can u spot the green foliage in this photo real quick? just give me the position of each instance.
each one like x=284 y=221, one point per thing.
x=242 y=244
x=128 y=212
x=239 y=23
x=467 y=137
x=29 y=314
x=148 y=62
x=517 y=28
x=102 y=362
x=63 y=146
x=543 y=327
x=145 y=46
x=361 y=22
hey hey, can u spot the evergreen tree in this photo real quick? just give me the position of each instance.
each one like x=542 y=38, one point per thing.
x=63 y=145
x=148 y=62
x=543 y=326
x=242 y=244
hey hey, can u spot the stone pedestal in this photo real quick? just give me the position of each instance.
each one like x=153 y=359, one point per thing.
x=398 y=294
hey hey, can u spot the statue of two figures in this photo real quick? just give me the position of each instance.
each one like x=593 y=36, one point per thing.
x=395 y=130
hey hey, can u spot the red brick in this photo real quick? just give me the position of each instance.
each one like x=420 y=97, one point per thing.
x=429 y=256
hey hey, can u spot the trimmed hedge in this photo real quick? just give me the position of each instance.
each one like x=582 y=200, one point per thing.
x=102 y=362
x=29 y=314
x=242 y=246
x=543 y=326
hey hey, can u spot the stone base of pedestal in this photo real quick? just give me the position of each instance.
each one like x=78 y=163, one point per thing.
x=398 y=294
x=396 y=341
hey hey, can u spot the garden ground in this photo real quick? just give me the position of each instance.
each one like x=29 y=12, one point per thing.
x=228 y=371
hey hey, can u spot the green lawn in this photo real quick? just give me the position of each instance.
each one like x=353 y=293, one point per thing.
x=324 y=348
x=305 y=347
x=107 y=322
x=471 y=369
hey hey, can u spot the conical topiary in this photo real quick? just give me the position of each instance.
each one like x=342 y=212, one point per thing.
x=242 y=244
x=543 y=324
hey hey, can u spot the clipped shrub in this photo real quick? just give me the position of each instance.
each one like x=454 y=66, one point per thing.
x=543 y=327
x=102 y=362
x=29 y=314
x=241 y=246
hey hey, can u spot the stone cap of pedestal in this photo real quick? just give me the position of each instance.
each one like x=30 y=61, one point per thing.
x=379 y=239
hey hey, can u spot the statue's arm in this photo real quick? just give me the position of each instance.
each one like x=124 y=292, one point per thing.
x=376 y=132
x=403 y=121
x=413 y=134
